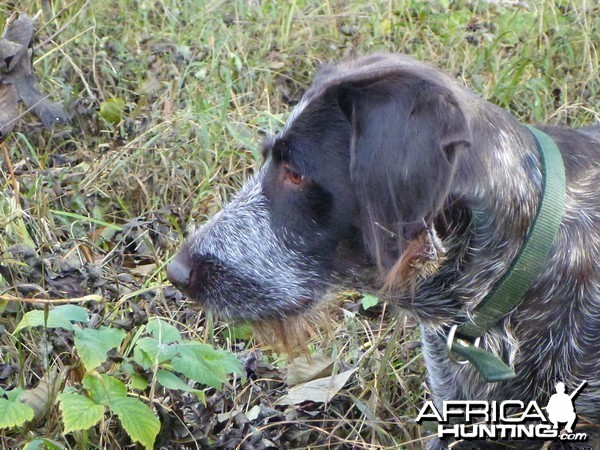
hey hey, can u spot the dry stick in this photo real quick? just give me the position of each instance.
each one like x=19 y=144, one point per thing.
x=57 y=301
x=11 y=173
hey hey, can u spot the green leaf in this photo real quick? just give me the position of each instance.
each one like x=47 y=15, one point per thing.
x=143 y=356
x=137 y=419
x=239 y=332
x=59 y=317
x=12 y=411
x=79 y=412
x=162 y=331
x=103 y=388
x=43 y=444
x=368 y=300
x=70 y=312
x=138 y=382
x=198 y=370
x=204 y=364
x=37 y=318
x=113 y=110
x=171 y=381
x=93 y=345
x=149 y=351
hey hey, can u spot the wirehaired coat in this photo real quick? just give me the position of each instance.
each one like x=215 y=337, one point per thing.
x=391 y=176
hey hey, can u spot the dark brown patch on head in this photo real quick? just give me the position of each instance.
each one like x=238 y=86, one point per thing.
x=421 y=258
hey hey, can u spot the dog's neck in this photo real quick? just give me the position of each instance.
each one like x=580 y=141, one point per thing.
x=504 y=195
x=495 y=198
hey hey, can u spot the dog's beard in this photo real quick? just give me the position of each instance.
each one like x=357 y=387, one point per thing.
x=291 y=334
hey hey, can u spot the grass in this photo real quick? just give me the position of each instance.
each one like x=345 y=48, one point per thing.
x=192 y=87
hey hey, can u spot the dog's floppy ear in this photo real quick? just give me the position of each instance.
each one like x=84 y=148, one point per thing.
x=407 y=134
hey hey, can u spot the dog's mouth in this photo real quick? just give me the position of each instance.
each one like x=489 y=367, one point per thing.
x=238 y=309
x=286 y=331
x=284 y=324
x=237 y=295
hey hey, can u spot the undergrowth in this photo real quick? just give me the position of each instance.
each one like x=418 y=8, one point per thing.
x=168 y=101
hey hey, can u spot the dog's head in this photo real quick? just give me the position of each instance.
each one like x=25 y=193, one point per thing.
x=366 y=158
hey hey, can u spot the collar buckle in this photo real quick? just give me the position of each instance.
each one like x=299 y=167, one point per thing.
x=450 y=343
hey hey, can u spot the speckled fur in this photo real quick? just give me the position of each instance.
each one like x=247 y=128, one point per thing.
x=269 y=268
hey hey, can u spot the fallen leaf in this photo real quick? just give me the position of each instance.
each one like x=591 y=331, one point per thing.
x=303 y=369
x=319 y=391
x=229 y=415
x=43 y=395
x=253 y=413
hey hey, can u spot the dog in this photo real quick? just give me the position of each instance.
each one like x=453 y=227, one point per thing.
x=391 y=176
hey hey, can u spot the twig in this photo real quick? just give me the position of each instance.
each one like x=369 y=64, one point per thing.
x=11 y=173
x=55 y=301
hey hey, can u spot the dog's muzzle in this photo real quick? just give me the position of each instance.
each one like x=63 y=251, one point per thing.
x=179 y=271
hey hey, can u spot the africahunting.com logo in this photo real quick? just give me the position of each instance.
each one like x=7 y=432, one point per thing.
x=510 y=419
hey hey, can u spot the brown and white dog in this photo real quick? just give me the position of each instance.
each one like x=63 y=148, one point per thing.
x=380 y=169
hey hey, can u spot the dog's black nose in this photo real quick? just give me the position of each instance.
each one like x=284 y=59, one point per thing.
x=179 y=271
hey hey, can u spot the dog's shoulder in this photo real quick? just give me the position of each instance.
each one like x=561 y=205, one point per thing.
x=580 y=147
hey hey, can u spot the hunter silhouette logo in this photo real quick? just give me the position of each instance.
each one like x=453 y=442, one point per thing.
x=510 y=419
x=560 y=407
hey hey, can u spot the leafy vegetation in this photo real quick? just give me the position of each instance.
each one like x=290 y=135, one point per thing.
x=167 y=102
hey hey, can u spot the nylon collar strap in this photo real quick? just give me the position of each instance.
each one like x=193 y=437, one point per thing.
x=524 y=269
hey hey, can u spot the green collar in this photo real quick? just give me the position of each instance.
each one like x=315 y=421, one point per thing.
x=524 y=269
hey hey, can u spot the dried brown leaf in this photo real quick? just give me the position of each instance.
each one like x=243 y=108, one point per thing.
x=321 y=390
x=302 y=369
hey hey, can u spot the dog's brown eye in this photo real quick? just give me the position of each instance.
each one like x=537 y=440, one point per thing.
x=292 y=176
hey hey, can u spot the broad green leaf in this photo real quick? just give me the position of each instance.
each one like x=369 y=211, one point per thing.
x=197 y=369
x=217 y=357
x=369 y=301
x=163 y=332
x=138 y=382
x=142 y=356
x=137 y=419
x=12 y=411
x=229 y=362
x=113 y=110
x=171 y=381
x=73 y=313
x=93 y=345
x=127 y=368
x=240 y=332
x=204 y=364
x=59 y=317
x=103 y=388
x=79 y=412
x=149 y=351
x=43 y=444
x=36 y=318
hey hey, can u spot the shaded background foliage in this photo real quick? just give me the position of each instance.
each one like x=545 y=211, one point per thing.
x=167 y=103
